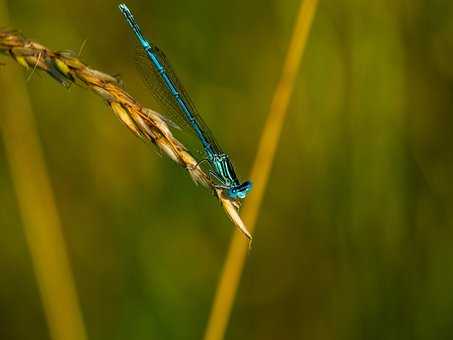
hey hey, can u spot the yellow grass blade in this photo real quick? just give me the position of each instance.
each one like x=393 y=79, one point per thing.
x=228 y=284
x=37 y=208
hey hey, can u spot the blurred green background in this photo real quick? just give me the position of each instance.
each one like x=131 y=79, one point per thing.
x=354 y=237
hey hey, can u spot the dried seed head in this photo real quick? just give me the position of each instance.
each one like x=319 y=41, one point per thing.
x=145 y=123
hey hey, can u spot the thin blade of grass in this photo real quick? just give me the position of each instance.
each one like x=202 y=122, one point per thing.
x=38 y=210
x=232 y=270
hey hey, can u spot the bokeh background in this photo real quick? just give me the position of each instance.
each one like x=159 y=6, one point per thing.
x=354 y=239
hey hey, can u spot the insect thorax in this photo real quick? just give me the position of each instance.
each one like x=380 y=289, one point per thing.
x=224 y=169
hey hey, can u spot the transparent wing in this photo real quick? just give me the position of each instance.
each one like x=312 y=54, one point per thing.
x=164 y=98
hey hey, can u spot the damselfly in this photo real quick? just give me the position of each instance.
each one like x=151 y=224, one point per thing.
x=178 y=100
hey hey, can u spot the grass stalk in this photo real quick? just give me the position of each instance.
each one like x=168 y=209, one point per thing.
x=41 y=222
x=234 y=263
x=147 y=124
